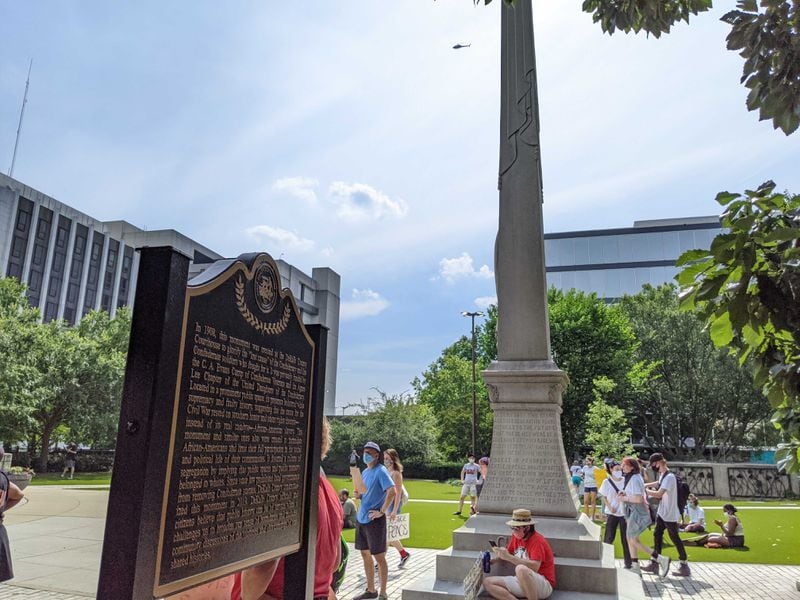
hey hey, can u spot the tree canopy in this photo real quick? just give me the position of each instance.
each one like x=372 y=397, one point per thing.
x=746 y=287
x=58 y=378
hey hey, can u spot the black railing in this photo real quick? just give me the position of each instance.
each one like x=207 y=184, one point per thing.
x=758 y=482
x=700 y=479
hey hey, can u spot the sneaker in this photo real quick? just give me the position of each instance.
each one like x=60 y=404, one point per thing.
x=683 y=571
x=383 y=597
x=366 y=595
x=663 y=565
x=651 y=567
x=458 y=512
x=403 y=560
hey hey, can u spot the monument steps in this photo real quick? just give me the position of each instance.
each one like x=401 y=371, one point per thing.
x=575 y=538
x=571 y=573
x=433 y=589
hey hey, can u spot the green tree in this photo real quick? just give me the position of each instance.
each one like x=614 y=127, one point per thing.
x=589 y=339
x=766 y=40
x=446 y=388
x=746 y=287
x=695 y=391
x=59 y=376
x=398 y=422
x=608 y=432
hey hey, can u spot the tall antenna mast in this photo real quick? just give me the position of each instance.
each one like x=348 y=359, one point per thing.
x=21 y=114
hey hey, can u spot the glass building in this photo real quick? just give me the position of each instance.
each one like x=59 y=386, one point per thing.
x=615 y=262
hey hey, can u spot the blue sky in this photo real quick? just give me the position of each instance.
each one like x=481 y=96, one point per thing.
x=351 y=135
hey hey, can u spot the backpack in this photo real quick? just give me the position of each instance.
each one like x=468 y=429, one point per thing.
x=683 y=492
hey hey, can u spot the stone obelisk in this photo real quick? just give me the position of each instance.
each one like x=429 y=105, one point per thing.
x=528 y=466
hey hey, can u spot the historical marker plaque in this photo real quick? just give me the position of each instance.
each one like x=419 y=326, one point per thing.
x=235 y=482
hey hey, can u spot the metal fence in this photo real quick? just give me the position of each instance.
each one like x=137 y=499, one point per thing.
x=699 y=478
x=758 y=482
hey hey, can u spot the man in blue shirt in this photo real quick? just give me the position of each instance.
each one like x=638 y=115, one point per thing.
x=371 y=520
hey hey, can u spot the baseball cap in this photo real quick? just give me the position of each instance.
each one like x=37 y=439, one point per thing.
x=654 y=458
x=373 y=446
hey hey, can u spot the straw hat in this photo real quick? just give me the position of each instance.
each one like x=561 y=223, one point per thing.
x=520 y=518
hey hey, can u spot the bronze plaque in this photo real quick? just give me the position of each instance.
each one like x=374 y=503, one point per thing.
x=235 y=485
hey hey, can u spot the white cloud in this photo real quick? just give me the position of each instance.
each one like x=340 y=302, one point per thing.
x=299 y=187
x=282 y=239
x=357 y=201
x=365 y=303
x=461 y=267
x=485 y=302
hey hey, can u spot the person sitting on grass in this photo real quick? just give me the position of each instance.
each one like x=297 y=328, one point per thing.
x=529 y=552
x=696 y=516
x=732 y=535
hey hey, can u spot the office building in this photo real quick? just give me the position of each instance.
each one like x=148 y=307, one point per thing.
x=615 y=262
x=73 y=263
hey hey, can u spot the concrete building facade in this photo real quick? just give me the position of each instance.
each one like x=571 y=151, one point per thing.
x=73 y=263
x=616 y=262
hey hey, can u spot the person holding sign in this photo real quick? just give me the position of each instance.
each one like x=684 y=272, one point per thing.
x=534 y=569
x=391 y=460
x=377 y=495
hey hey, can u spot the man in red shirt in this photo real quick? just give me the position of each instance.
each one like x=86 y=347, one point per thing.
x=535 y=572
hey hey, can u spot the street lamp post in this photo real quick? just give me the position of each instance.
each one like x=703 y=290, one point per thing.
x=472 y=315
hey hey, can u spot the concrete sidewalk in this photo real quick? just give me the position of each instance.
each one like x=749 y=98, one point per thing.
x=56 y=541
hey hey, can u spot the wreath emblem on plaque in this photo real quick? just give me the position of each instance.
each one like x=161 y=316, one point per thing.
x=266 y=294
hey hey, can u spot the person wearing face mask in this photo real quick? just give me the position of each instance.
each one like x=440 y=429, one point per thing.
x=534 y=569
x=391 y=460
x=371 y=520
x=469 y=485
x=637 y=515
x=615 y=509
x=696 y=515
x=732 y=535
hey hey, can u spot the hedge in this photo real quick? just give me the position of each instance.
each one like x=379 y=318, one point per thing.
x=411 y=469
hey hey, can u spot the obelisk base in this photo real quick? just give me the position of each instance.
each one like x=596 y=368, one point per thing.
x=527 y=466
x=528 y=469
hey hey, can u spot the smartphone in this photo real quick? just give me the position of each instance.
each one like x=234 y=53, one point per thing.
x=493 y=544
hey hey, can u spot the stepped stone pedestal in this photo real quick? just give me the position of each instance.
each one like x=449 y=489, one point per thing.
x=528 y=470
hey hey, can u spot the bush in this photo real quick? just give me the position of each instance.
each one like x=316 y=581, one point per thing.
x=337 y=465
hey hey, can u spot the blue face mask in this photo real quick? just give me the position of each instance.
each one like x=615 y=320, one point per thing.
x=368 y=458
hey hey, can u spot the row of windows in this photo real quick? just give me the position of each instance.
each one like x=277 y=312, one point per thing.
x=628 y=247
x=612 y=283
x=45 y=222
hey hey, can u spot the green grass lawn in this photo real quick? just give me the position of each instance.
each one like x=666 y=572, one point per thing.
x=79 y=479
x=770 y=537
x=770 y=534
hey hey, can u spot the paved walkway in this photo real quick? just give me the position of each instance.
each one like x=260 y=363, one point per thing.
x=56 y=540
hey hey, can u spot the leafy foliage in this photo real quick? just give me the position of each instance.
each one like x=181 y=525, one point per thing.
x=651 y=16
x=607 y=427
x=589 y=339
x=58 y=381
x=689 y=389
x=769 y=42
x=746 y=287
x=398 y=422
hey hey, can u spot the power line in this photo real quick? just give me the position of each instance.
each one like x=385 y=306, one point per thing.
x=21 y=115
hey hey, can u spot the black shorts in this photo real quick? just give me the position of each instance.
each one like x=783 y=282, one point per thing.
x=590 y=490
x=735 y=541
x=372 y=536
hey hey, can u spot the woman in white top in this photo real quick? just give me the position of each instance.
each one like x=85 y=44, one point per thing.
x=615 y=509
x=391 y=460
x=637 y=515
x=589 y=487
x=697 y=516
